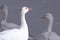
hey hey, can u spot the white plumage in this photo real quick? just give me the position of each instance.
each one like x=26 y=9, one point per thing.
x=17 y=34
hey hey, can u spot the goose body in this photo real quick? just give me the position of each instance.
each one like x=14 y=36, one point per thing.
x=49 y=35
x=17 y=34
x=14 y=34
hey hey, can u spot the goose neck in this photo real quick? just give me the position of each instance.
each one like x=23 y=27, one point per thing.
x=50 y=25
x=23 y=21
x=6 y=13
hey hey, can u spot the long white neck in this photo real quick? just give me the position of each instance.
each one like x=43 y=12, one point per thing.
x=23 y=21
x=50 y=25
x=24 y=26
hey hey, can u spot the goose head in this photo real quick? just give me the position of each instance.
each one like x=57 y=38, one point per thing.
x=4 y=8
x=48 y=16
x=25 y=9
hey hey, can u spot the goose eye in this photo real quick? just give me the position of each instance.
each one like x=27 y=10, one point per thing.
x=25 y=8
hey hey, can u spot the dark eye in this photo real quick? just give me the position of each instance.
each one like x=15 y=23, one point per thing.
x=25 y=8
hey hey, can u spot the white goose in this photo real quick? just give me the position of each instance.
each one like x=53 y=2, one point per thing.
x=5 y=25
x=17 y=34
x=49 y=35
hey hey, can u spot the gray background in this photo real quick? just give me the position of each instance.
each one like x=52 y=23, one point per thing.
x=40 y=8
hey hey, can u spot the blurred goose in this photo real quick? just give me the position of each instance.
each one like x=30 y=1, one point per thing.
x=49 y=35
x=5 y=25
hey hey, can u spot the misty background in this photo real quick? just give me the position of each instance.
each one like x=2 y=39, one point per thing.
x=36 y=25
